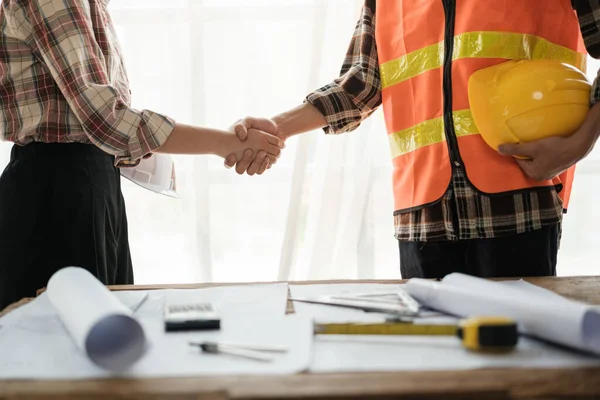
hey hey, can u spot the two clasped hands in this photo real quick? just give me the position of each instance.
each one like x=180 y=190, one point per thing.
x=259 y=147
x=251 y=145
x=259 y=141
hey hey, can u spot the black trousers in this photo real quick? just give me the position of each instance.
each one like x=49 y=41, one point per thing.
x=528 y=254
x=60 y=205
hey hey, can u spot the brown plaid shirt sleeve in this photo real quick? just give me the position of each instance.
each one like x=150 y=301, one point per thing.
x=356 y=94
x=463 y=212
x=67 y=80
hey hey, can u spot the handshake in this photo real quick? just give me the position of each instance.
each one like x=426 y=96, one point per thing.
x=257 y=147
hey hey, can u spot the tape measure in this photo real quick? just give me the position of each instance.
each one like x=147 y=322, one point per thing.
x=495 y=334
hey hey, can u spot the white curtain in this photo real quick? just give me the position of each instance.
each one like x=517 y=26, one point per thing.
x=325 y=210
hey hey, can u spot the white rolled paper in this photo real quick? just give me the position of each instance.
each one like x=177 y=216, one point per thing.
x=555 y=319
x=101 y=326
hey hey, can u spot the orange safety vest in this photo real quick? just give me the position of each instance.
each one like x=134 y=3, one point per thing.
x=427 y=51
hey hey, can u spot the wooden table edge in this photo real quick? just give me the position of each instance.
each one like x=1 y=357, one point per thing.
x=476 y=384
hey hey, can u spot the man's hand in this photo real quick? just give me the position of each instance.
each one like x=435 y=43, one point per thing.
x=546 y=158
x=300 y=119
x=543 y=159
x=250 y=163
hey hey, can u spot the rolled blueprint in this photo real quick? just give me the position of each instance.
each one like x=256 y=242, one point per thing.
x=101 y=326
x=538 y=313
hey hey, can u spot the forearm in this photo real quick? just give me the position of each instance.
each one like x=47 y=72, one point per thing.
x=187 y=139
x=586 y=137
x=301 y=119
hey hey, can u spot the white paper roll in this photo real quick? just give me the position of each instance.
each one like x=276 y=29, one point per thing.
x=557 y=320
x=101 y=326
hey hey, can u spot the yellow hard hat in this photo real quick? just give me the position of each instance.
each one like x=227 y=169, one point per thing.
x=526 y=100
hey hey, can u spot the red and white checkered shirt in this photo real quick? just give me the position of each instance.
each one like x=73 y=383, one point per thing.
x=62 y=79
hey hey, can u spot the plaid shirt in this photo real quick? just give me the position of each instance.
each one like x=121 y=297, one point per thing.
x=463 y=212
x=62 y=79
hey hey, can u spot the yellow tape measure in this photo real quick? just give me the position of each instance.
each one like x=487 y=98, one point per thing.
x=480 y=334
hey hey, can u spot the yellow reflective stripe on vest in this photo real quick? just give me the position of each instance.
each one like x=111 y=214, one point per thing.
x=430 y=132
x=512 y=46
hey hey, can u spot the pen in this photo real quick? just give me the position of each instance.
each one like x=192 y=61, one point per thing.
x=217 y=348
x=141 y=302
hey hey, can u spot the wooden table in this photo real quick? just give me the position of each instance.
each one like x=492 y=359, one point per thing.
x=546 y=384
